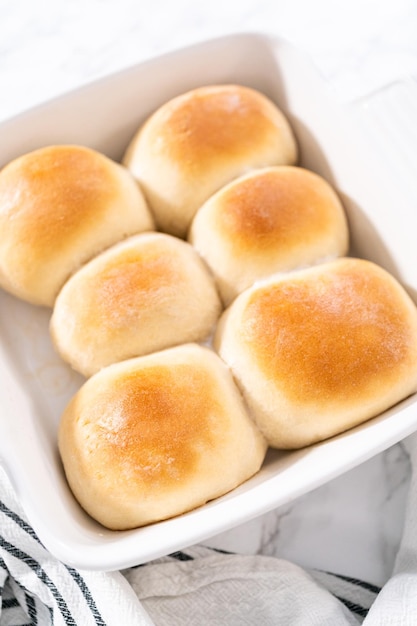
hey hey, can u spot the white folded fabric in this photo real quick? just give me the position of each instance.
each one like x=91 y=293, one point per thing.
x=200 y=586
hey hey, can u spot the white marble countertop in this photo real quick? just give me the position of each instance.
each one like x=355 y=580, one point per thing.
x=351 y=525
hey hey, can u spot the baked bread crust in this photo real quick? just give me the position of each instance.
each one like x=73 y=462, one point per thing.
x=149 y=292
x=272 y=220
x=157 y=436
x=321 y=350
x=59 y=207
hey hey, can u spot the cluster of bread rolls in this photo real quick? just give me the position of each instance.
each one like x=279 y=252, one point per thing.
x=138 y=262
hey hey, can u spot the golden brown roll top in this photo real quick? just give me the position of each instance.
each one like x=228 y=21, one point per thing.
x=321 y=350
x=147 y=293
x=272 y=220
x=157 y=436
x=199 y=141
x=59 y=206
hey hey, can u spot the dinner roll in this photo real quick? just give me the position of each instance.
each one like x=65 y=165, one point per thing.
x=321 y=350
x=59 y=206
x=272 y=220
x=156 y=436
x=199 y=141
x=149 y=292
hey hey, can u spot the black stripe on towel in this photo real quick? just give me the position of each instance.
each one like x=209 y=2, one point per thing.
x=357 y=582
x=9 y=603
x=39 y=571
x=181 y=556
x=3 y=566
x=31 y=609
x=87 y=596
x=19 y=521
x=353 y=607
x=219 y=550
x=76 y=576
x=28 y=597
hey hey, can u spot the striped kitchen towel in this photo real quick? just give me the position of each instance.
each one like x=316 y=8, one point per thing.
x=200 y=586
x=38 y=590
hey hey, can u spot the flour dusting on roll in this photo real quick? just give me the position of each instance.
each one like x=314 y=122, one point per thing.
x=59 y=207
x=201 y=140
x=321 y=350
x=156 y=436
x=147 y=293
x=272 y=220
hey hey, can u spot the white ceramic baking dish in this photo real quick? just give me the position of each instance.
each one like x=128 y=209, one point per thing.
x=36 y=385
